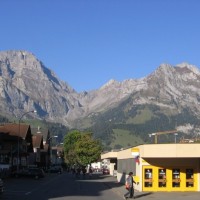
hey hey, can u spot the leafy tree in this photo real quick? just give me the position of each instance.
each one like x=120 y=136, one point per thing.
x=87 y=149
x=81 y=148
x=70 y=141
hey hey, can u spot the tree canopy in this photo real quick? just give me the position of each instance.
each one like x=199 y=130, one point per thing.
x=81 y=148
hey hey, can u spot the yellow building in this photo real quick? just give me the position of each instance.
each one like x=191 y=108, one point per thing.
x=160 y=167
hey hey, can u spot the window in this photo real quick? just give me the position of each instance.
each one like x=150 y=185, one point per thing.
x=161 y=177
x=148 y=178
x=189 y=178
x=176 y=178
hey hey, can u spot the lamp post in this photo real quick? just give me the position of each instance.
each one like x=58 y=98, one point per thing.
x=18 y=145
x=175 y=134
x=55 y=136
x=155 y=135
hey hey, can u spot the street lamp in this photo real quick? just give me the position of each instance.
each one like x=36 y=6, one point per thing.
x=54 y=136
x=175 y=134
x=18 y=145
x=153 y=134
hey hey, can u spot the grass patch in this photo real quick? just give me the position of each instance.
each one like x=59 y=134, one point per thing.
x=123 y=138
x=142 y=116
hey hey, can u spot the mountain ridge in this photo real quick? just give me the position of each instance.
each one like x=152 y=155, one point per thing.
x=26 y=84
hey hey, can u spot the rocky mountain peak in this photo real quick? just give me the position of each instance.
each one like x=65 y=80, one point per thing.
x=163 y=74
x=110 y=83
x=26 y=84
x=190 y=68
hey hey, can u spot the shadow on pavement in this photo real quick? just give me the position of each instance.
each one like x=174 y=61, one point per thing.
x=65 y=186
x=143 y=194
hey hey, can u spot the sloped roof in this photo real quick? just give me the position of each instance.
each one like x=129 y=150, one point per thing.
x=37 y=141
x=20 y=130
x=46 y=148
x=42 y=131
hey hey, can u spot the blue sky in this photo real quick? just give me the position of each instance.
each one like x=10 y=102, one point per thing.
x=88 y=42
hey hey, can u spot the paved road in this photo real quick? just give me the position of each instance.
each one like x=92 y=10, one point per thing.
x=59 y=187
x=67 y=187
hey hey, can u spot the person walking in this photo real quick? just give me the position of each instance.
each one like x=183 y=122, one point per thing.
x=129 y=186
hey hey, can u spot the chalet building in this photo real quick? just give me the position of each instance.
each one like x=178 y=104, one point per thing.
x=23 y=143
x=46 y=152
x=57 y=155
x=43 y=153
x=20 y=147
x=8 y=148
x=37 y=147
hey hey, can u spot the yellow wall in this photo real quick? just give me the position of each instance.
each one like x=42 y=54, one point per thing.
x=168 y=157
x=175 y=179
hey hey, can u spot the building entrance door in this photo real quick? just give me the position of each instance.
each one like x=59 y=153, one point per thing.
x=190 y=179
x=148 y=183
x=162 y=179
x=173 y=179
x=176 y=177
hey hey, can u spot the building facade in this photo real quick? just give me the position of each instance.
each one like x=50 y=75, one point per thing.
x=22 y=146
x=160 y=167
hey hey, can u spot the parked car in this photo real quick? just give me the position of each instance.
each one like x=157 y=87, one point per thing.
x=1 y=186
x=55 y=169
x=30 y=172
x=106 y=171
x=96 y=171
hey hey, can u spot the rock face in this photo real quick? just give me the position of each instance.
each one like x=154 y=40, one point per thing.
x=26 y=84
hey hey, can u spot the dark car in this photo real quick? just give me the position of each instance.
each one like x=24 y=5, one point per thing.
x=30 y=172
x=55 y=169
x=1 y=186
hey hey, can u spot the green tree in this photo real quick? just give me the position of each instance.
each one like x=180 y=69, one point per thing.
x=70 y=141
x=81 y=148
x=88 y=149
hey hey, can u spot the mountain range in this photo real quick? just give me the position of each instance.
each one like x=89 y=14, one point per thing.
x=166 y=99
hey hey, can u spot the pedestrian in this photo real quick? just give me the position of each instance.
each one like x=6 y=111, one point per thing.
x=129 y=186
x=90 y=171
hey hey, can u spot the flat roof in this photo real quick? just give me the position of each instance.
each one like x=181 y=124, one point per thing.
x=170 y=150
x=109 y=155
x=178 y=150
